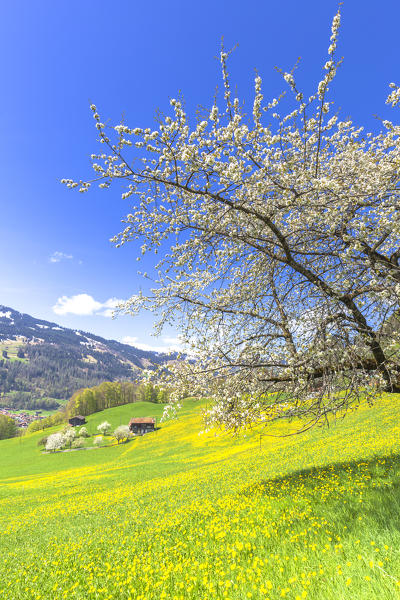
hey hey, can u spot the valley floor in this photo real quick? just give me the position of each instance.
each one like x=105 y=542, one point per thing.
x=180 y=515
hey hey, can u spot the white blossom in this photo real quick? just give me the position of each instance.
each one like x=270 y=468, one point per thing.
x=104 y=427
x=280 y=240
x=55 y=441
x=122 y=433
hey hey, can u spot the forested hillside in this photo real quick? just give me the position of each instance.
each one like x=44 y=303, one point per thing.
x=107 y=395
x=43 y=359
x=87 y=401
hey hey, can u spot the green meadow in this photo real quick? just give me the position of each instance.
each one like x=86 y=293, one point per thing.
x=181 y=514
x=11 y=347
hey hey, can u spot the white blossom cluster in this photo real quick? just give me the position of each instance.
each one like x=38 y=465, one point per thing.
x=67 y=437
x=122 y=433
x=55 y=441
x=104 y=427
x=282 y=272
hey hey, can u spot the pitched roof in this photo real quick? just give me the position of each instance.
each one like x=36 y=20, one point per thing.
x=141 y=420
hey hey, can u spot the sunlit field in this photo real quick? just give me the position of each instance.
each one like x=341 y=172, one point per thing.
x=179 y=515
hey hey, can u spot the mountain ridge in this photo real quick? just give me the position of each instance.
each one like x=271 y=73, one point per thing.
x=35 y=353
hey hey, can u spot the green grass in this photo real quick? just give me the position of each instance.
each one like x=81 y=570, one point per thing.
x=180 y=515
x=12 y=348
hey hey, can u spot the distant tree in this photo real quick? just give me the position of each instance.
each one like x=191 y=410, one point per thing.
x=8 y=427
x=21 y=353
x=148 y=392
x=104 y=427
x=162 y=396
x=98 y=440
x=122 y=433
x=5 y=353
x=85 y=403
x=69 y=435
x=83 y=433
x=78 y=442
x=55 y=441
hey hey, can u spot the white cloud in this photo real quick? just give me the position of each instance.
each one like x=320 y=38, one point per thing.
x=57 y=257
x=84 y=305
x=170 y=344
x=109 y=307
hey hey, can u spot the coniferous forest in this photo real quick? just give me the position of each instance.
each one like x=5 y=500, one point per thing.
x=59 y=371
x=41 y=360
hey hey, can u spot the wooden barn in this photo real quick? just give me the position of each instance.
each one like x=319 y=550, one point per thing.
x=77 y=421
x=142 y=425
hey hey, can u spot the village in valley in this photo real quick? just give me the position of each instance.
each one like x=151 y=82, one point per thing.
x=22 y=418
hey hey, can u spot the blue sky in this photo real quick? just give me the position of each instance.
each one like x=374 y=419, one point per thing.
x=131 y=57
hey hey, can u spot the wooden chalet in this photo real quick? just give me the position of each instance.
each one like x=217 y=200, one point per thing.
x=142 y=425
x=77 y=421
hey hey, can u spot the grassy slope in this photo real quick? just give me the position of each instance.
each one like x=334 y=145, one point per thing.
x=180 y=515
x=12 y=348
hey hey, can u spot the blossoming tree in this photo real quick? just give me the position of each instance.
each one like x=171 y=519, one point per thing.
x=122 y=433
x=283 y=231
x=55 y=441
x=104 y=427
x=69 y=435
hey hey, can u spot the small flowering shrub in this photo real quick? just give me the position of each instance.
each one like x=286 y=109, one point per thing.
x=83 y=433
x=78 y=442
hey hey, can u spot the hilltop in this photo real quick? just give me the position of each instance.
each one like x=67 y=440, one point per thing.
x=42 y=358
x=182 y=515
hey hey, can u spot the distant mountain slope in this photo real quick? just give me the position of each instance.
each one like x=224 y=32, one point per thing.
x=46 y=359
